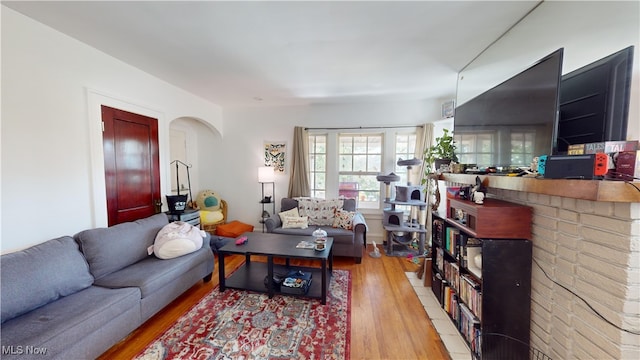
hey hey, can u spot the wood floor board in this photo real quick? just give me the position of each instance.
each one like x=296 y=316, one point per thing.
x=387 y=318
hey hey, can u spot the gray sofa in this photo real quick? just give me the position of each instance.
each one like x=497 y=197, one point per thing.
x=75 y=297
x=345 y=242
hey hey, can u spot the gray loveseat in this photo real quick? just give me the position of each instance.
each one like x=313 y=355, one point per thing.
x=75 y=297
x=345 y=242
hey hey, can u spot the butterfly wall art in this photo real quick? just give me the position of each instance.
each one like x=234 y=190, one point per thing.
x=274 y=155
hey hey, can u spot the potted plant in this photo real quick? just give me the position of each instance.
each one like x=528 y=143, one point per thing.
x=442 y=152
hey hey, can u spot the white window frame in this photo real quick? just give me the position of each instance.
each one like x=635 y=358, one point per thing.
x=366 y=172
x=388 y=159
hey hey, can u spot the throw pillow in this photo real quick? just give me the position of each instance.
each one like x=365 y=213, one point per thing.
x=108 y=250
x=176 y=239
x=320 y=211
x=291 y=222
x=292 y=212
x=211 y=217
x=344 y=219
x=39 y=275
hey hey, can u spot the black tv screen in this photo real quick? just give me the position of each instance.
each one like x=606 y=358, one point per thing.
x=510 y=124
x=594 y=101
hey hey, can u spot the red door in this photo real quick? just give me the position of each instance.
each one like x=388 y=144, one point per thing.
x=131 y=161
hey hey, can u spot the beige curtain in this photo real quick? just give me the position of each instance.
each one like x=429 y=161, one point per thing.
x=299 y=180
x=424 y=139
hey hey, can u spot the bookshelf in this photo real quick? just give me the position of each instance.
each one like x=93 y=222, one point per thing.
x=481 y=274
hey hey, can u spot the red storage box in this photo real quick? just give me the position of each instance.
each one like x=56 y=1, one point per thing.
x=233 y=229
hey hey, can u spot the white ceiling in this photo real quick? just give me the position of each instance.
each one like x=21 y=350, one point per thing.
x=298 y=52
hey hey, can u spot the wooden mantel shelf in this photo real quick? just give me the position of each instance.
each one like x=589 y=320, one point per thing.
x=596 y=190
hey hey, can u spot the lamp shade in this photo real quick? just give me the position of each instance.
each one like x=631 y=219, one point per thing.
x=266 y=174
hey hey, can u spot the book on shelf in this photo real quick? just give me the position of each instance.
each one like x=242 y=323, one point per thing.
x=447 y=298
x=452 y=274
x=438 y=227
x=471 y=294
x=450 y=303
x=451 y=240
x=440 y=259
x=469 y=327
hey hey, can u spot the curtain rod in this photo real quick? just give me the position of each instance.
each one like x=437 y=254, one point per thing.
x=366 y=127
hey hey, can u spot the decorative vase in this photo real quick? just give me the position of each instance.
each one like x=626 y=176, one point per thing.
x=319 y=234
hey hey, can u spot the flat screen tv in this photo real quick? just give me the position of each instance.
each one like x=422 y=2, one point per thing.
x=594 y=101
x=511 y=123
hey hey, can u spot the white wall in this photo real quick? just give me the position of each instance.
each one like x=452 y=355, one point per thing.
x=587 y=31
x=51 y=142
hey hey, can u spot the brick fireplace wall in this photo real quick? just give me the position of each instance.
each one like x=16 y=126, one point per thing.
x=592 y=249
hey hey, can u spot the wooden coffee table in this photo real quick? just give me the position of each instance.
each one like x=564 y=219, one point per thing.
x=251 y=275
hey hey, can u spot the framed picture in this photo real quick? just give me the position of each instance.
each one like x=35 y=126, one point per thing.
x=274 y=153
x=448 y=109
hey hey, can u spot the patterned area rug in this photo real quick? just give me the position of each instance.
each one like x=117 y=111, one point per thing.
x=247 y=325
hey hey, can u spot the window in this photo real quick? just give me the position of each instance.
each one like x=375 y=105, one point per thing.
x=360 y=161
x=405 y=149
x=348 y=163
x=318 y=165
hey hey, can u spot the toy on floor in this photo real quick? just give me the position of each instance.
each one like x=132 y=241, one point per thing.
x=376 y=252
x=416 y=258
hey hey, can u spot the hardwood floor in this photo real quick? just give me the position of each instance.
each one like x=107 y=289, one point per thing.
x=387 y=319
